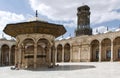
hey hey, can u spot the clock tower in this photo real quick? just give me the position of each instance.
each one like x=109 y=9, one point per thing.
x=83 y=21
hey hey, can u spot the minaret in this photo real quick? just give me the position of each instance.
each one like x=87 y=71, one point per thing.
x=83 y=21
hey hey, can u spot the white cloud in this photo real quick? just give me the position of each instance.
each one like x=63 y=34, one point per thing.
x=101 y=11
x=8 y=17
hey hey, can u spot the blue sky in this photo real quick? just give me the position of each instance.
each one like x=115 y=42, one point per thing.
x=103 y=13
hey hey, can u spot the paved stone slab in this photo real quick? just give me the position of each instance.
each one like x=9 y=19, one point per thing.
x=67 y=70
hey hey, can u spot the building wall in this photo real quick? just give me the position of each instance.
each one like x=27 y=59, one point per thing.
x=83 y=48
x=100 y=47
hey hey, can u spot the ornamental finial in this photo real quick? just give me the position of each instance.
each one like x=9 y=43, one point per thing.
x=36 y=15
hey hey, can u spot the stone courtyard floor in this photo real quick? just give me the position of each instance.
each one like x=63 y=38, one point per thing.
x=67 y=70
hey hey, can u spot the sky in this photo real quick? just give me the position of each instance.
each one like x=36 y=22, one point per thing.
x=104 y=13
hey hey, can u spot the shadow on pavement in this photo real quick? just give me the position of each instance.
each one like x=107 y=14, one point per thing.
x=64 y=68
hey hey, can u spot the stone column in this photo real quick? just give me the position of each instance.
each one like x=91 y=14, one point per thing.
x=49 y=56
x=62 y=54
x=35 y=55
x=71 y=54
x=9 y=55
x=89 y=53
x=23 y=60
x=16 y=55
x=53 y=56
x=19 y=56
x=112 y=51
x=0 y=57
x=79 y=54
x=100 y=49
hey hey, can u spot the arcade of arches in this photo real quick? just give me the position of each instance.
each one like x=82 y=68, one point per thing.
x=31 y=53
x=7 y=55
x=101 y=47
x=37 y=59
x=63 y=53
x=35 y=51
x=107 y=50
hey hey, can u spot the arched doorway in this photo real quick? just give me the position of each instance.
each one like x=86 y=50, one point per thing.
x=5 y=55
x=95 y=50
x=116 y=48
x=28 y=53
x=67 y=52
x=59 y=53
x=106 y=49
x=12 y=56
x=43 y=46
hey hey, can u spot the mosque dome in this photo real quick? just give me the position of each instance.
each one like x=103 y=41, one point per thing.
x=3 y=37
x=36 y=19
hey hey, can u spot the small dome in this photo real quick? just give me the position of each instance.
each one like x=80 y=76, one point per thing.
x=12 y=39
x=95 y=33
x=3 y=38
x=117 y=29
x=61 y=39
x=107 y=31
x=68 y=37
x=36 y=19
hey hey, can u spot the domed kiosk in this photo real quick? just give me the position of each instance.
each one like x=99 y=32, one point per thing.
x=34 y=42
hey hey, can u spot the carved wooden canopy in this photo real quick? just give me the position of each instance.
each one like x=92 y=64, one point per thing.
x=34 y=27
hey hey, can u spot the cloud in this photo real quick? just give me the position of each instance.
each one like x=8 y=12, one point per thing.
x=65 y=10
x=9 y=17
x=104 y=11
